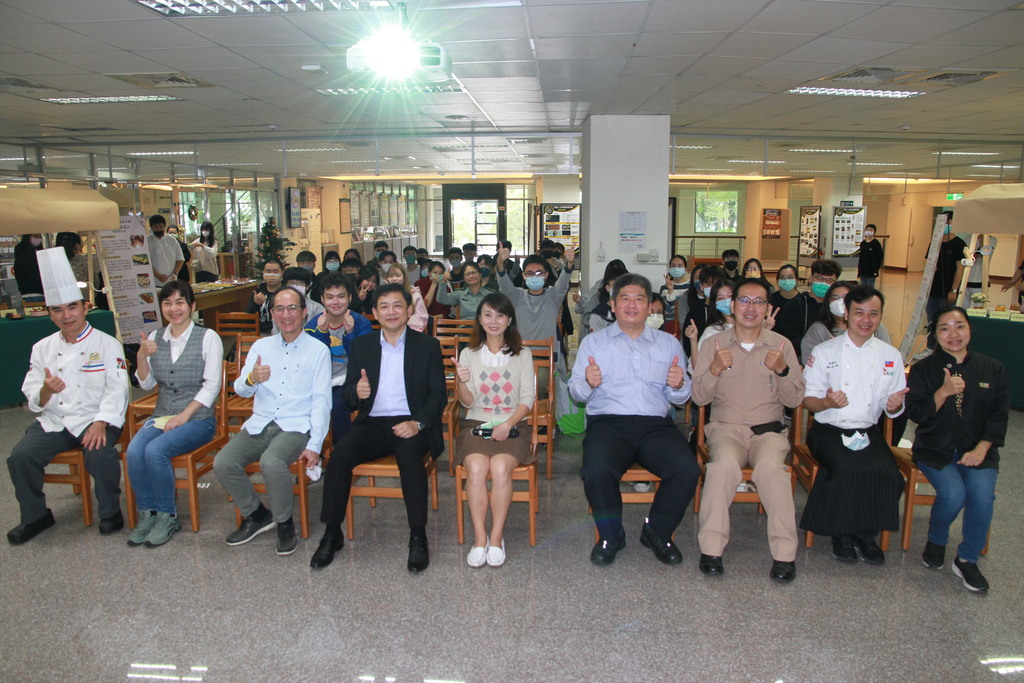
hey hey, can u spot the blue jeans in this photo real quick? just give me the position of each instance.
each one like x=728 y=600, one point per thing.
x=149 y=460
x=958 y=487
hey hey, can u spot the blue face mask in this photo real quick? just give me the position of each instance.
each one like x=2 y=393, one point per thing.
x=677 y=273
x=535 y=282
x=724 y=306
x=424 y=272
x=333 y=265
x=819 y=289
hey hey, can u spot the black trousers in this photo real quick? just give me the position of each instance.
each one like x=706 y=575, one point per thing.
x=369 y=440
x=612 y=444
x=855 y=492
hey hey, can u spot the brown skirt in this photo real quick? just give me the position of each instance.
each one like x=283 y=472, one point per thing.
x=518 y=448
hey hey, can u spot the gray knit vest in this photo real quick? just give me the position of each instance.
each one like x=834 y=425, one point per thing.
x=179 y=382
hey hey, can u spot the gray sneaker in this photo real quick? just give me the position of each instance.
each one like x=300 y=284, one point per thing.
x=165 y=527
x=147 y=518
x=286 y=540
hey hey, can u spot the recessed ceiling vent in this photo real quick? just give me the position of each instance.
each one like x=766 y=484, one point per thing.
x=956 y=77
x=873 y=74
x=162 y=80
x=20 y=85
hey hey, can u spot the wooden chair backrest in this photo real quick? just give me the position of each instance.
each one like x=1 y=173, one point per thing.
x=543 y=351
x=243 y=344
x=226 y=323
x=446 y=327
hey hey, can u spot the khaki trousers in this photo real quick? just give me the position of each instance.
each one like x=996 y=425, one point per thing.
x=730 y=448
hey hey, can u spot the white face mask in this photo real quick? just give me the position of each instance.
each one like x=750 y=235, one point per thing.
x=707 y=292
x=837 y=307
x=301 y=288
x=857 y=442
x=386 y=266
x=656 y=320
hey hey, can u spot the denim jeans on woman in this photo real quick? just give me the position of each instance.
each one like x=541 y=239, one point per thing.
x=958 y=487
x=149 y=460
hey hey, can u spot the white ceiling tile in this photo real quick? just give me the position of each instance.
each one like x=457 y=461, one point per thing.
x=109 y=62
x=489 y=50
x=668 y=16
x=1004 y=28
x=803 y=71
x=334 y=28
x=808 y=16
x=927 y=56
x=193 y=60
x=852 y=50
x=908 y=24
x=731 y=97
x=550 y=68
x=26 y=64
x=507 y=97
x=993 y=5
x=93 y=10
x=478 y=24
x=659 y=65
x=555 y=21
x=494 y=69
x=725 y=66
x=1009 y=58
x=585 y=47
x=48 y=38
x=760 y=45
x=141 y=34
x=251 y=31
x=682 y=44
x=629 y=81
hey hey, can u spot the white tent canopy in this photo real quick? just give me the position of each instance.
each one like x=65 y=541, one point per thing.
x=991 y=209
x=26 y=211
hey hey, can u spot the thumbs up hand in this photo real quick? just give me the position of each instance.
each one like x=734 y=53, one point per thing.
x=461 y=371
x=147 y=347
x=836 y=399
x=55 y=385
x=951 y=384
x=722 y=360
x=676 y=375
x=895 y=400
x=260 y=372
x=593 y=374
x=363 y=387
x=774 y=360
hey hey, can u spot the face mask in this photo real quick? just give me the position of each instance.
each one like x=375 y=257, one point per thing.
x=948 y=229
x=424 y=272
x=300 y=288
x=869 y=233
x=707 y=292
x=724 y=306
x=787 y=284
x=656 y=320
x=173 y=234
x=158 y=235
x=272 y=277
x=819 y=289
x=386 y=267
x=377 y=254
x=677 y=273
x=485 y=272
x=333 y=265
x=456 y=262
x=858 y=442
x=754 y=274
x=410 y=259
x=308 y=266
x=838 y=307
x=730 y=265
x=535 y=282
x=35 y=241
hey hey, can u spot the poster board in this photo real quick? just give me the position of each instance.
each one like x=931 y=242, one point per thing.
x=771 y=224
x=847 y=230
x=561 y=223
x=809 y=249
x=775 y=235
x=129 y=279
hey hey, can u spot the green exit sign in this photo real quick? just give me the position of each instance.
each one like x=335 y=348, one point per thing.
x=955 y=196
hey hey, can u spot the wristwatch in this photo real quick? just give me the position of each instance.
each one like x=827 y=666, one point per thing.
x=421 y=426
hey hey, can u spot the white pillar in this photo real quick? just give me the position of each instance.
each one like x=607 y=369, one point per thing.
x=625 y=171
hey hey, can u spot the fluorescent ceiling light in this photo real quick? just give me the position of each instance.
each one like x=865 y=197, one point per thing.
x=873 y=163
x=994 y=166
x=237 y=163
x=753 y=161
x=109 y=100
x=313 y=149
x=968 y=154
x=691 y=146
x=854 y=92
x=824 y=151
x=710 y=170
x=391 y=90
x=157 y=154
x=352 y=161
x=801 y=170
x=212 y=8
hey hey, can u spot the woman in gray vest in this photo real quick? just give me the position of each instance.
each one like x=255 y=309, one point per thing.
x=184 y=361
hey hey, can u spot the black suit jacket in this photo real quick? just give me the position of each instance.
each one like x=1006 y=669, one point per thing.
x=424 y=381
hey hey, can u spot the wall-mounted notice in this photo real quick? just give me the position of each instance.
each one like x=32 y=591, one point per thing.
x=632 y=232
x=561 y=223
x=847 y=229
x=810 y=226
x=771 y=224
x=128 y=275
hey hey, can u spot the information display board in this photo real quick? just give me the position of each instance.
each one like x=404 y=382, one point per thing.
x=561 y=223
x=128 y=275
x=771 y=224
x=810 y=233
x=847 y=229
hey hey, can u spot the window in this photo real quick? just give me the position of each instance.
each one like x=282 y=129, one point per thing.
x=717 y=211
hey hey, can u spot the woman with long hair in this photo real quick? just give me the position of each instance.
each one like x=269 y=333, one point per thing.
x=205 y=250
x=787 y=291
x=495 y=381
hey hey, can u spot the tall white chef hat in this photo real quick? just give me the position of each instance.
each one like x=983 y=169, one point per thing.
x=59 y=283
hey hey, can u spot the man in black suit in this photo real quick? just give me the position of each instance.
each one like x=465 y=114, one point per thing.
x=396 y=382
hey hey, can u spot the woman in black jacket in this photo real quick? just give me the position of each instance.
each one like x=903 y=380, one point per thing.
x=960 y=402
x=26 y=267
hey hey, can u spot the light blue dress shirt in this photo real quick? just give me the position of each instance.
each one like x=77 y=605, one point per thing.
x=298 y=394
x=390 y=399
x=633 y=373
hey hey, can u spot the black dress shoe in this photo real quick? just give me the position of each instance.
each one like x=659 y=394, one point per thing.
x=842 y=549
x=26 y=532
x=324 y=555
x=711 y=565
x=604 y=551
x=112 y=524
x=868 y=551
x=419 y=557
x=783 y=572
x=666 y=551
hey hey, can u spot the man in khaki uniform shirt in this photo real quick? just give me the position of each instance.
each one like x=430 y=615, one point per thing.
x=752 y=374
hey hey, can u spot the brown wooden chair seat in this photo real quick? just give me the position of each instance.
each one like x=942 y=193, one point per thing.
x=384 y=467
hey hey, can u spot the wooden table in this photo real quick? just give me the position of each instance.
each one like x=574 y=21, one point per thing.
x=228 y=299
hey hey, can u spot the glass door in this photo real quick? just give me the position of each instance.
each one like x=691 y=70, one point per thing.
x=475 y=220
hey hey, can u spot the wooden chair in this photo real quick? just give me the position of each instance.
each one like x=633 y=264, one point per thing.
x=805 y=465
x=374 y=323
x=238 y=407
x=235 y=323
x=447 y=327
x=384 y=467
x=196 y=463
x=634 y=474
x=300 y=488
x=527 y=473
x=749 y=495
x=543 y=424
x=450 y=348
x=78 y=477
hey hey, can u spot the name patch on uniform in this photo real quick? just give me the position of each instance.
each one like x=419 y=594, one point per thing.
x=831 y=364
x=983 y=385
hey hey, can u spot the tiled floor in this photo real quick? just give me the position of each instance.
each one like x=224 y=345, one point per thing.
x=75 y=606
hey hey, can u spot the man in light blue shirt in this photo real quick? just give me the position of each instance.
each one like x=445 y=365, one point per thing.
x=629 y=375
x=289 y=374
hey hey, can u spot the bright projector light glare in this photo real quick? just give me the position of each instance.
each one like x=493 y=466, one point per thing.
x=392 y=53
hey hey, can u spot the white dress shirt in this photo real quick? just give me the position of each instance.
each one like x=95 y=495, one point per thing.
x=868 y=375
x=95 y=375
x=298 y=394
x=213 y=356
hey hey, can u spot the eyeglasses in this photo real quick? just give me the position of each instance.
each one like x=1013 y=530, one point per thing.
x=281 y=309
x=535 y=272
x=747 y=301
x=828 y=280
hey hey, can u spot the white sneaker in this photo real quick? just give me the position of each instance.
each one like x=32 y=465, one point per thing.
x=641 y=486
x=496 y=555
x=477 y=555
